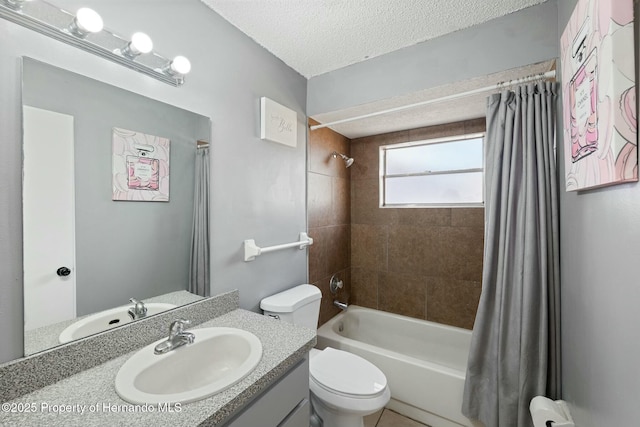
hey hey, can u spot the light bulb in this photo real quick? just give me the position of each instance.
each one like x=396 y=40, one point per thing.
x=177 y=68
x=140 y=43
x=180 y=65
x=86 y=21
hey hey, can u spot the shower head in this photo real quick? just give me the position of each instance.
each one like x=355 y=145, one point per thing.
x=348 y=160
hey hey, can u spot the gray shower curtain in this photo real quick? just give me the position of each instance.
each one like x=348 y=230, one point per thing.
x=199 y=274
x=515 y=350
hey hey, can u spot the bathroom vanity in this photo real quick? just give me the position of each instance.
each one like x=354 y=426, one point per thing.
x=274 y=394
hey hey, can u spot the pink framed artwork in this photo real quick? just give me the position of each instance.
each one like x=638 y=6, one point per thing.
x=599 y=95
x=140 y=166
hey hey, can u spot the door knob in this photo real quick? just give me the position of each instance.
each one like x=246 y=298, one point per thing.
x=63 y=272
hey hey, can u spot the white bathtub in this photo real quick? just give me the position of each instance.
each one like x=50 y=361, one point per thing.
x=424 y=362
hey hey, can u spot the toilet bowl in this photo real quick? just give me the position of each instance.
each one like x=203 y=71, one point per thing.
x=344 y=387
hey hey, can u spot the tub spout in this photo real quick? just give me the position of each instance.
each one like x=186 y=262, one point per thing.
x=340 y=305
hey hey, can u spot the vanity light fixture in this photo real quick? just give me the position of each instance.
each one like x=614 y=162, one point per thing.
x=85 y=30
x=86 y=21
x=14 y=4
x=140 y=43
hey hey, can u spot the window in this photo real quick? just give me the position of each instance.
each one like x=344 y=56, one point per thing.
x=433 y=173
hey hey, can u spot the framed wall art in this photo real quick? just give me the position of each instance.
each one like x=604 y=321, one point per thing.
x=598 y=88
x=140 y=166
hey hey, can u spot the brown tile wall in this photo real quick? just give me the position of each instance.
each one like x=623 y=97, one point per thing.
x=329 y=216
x=424 y=263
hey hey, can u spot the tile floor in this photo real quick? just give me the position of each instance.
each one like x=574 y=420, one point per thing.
x=388 y=418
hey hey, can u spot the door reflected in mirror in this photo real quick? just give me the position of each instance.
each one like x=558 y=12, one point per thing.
x=85 y=253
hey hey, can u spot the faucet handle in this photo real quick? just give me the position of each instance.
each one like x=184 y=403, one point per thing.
x=139 y=308
x=335 y=284
x=177 y=327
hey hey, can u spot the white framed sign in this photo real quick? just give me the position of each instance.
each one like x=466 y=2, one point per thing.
x=278 y=123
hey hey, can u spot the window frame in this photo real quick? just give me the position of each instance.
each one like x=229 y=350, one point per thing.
x=383 y=168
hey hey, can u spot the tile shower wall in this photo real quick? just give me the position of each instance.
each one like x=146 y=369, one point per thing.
x=329 y=216
x=424 y=263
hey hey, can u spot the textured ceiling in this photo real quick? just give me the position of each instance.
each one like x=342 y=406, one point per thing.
x=317 y=36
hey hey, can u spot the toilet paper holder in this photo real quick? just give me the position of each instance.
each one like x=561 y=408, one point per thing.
x=548 y=413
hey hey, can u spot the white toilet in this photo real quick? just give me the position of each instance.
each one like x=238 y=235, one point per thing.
x=344 y=387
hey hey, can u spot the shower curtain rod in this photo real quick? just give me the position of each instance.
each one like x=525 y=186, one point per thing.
x=499 y=85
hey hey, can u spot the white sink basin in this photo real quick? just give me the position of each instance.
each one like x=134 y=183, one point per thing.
x=105 y=320
x=216 y=360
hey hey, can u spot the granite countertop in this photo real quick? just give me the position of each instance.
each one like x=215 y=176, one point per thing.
x=89 y=398
x=46 y=337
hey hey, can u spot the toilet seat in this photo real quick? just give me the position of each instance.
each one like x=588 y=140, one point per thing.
x=346 y=374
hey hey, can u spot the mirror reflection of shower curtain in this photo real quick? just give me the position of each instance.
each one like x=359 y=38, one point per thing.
x=199 y=273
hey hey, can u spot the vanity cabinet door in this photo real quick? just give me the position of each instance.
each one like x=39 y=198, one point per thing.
x=283 y=404
x=299 y=417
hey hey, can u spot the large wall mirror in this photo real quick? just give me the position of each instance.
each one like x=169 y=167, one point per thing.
x=85 y=254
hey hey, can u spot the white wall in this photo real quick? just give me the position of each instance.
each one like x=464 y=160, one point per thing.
x=600 y=273
x=258 y=188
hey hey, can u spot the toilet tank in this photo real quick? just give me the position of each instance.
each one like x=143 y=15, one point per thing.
x=299 y=305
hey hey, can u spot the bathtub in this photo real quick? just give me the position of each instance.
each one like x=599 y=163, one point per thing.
x=424 y=362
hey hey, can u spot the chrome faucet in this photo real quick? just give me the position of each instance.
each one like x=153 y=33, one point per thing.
x=340 y=305
x=177 y=337
x=138 y=311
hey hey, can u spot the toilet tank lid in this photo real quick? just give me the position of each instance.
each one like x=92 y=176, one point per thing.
x=291 y=299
